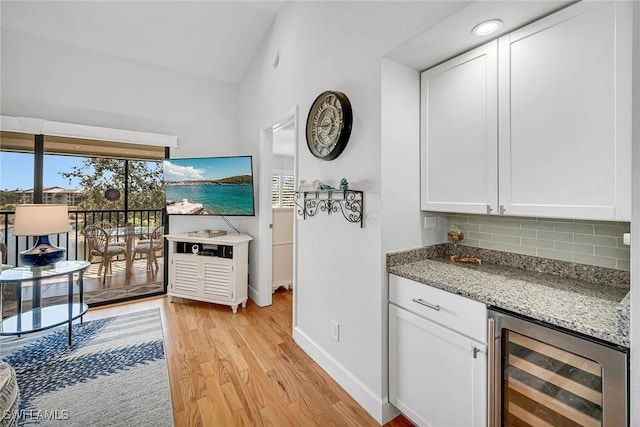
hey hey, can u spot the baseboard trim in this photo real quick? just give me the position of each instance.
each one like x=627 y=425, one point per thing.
x=288 y=282
x=255 y=296
x=378 y=407
x=389 y=411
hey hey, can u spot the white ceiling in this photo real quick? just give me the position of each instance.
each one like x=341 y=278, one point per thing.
x=215 y=39
x=452 y=35
x=218 y=39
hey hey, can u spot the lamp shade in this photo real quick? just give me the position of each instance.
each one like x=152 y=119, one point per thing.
x=41 y=220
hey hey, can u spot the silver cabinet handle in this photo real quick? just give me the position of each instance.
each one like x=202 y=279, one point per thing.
x=426 y=304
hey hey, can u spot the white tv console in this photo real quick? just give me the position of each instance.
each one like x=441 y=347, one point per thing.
x=210 y=269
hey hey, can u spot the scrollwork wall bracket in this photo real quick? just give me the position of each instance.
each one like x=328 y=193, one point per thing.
x=350 y=203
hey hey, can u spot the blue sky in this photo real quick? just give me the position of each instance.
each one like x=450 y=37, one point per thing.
x=206 y=168
x=16 y=171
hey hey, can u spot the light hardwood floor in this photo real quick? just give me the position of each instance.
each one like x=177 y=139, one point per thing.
x=244 y=369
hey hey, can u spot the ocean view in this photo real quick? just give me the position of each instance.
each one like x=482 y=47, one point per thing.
x=226 y=199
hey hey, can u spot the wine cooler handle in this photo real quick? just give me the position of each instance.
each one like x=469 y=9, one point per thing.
x=493 y=383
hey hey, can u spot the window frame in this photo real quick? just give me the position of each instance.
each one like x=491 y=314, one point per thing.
x=282 y=173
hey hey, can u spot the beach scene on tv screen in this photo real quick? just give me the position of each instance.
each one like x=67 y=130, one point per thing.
x=209 y=186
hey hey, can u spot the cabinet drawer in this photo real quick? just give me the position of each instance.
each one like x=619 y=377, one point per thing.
x=452 y=311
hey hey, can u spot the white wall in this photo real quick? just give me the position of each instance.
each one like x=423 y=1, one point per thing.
x=339 y=272
x=282 y=163
x=282 y=244
x=47 y=79
x=57 y=81
x=401 y=218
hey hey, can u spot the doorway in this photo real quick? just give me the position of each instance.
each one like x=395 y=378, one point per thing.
x=278 y=182
x=283 y=187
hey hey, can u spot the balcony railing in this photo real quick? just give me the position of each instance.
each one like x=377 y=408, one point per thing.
x=73 y=241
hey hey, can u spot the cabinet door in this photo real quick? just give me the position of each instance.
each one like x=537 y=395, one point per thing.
x=459 y=133
x=218 y=279
x=185 y=275
x=565 y=114
x=437 y=377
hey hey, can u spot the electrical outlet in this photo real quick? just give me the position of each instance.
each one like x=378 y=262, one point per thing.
x=335 y=331
x=430 y=222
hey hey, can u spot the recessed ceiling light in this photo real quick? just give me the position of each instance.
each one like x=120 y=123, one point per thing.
x=487 y=27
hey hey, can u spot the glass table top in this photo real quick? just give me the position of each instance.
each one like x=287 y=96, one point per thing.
x=130 y=230
x=61 y=268
x=41 y=318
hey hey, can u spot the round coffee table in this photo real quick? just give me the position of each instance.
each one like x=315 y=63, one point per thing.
x=40 y=318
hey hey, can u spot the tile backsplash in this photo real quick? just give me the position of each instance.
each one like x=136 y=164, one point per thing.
x=585 y=242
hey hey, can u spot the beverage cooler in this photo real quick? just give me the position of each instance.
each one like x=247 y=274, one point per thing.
x=541 y=376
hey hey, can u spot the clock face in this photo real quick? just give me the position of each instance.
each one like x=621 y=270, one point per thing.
x=329 y=125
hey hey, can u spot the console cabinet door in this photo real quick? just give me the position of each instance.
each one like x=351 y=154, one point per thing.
x=459 y=133
x=185 y=275
x=437 y=377
x=565 y=114
x=218 y=278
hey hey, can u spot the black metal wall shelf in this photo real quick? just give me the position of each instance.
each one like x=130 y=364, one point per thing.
x=350 y=203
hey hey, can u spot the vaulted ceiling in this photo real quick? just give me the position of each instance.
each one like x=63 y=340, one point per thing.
x=217 y=39
x=224 y=35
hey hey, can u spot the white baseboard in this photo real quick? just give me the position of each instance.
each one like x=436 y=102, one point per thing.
x=378 y=407
x=254 y=296
x=287 y=282
x=389 y=411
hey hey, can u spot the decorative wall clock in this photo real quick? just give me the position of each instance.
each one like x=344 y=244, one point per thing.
x=329 y=125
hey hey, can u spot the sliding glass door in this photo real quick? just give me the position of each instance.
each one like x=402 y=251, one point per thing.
x=115 y=186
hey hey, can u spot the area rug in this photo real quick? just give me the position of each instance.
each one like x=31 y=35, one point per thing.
x=114 y=374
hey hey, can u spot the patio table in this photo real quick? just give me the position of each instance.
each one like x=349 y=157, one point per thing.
x=130 y=233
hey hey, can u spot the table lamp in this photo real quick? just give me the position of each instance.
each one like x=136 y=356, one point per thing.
x=41 y=221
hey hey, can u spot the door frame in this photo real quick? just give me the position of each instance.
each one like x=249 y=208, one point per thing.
x=265 y=222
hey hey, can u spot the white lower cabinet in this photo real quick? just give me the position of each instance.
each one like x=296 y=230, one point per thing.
x=437 y=376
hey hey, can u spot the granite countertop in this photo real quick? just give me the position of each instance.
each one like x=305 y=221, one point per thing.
x=590 y=300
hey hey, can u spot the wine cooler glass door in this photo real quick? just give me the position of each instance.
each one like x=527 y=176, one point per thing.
x=545 y=385
x=543 y=376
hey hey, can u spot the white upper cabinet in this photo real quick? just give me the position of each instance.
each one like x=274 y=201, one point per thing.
x=459 y=133
x=560 y=130
x=565 y=115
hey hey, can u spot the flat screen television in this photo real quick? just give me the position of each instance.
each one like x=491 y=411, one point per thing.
x=209 y=186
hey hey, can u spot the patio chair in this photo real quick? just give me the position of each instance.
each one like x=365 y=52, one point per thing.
x=98 y=241
x=151 y=246
x=108 y=227
x=3 y=258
